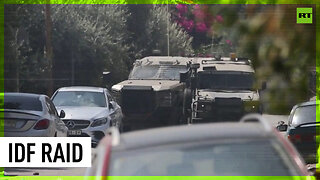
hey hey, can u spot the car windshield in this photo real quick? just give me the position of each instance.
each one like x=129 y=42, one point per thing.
x=304 y=114
x=258 y=158
x=226 y=81
x=161 y=72
x=22 y=103
x=79 y=98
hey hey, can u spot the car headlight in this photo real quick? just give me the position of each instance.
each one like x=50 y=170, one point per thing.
x=99 y=122
x=251 y=106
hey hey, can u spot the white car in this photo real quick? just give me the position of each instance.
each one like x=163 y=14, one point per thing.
x=90 y=111
x=31 y=115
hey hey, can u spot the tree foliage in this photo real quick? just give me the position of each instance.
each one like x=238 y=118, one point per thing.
x=158 y=26
x=24 y=48
x=282 y=53
x=92 y=37
x=86 y=39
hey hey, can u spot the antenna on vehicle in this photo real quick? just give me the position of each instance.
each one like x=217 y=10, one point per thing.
x=168 y=37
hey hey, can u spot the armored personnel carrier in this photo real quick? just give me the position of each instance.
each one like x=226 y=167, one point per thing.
x=221 y=89
x=153 y=95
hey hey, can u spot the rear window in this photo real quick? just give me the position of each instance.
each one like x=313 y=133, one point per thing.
x=257 y=158
x=304 y=114
x=22 y=103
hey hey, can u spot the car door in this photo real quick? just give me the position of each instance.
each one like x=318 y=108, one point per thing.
x=60 y=127
x=115 y=110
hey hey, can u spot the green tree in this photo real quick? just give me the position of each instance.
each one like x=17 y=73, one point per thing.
x=158 y=26
x=86 y=40
x=95 y=36
x=24 y=47
x=282 y=53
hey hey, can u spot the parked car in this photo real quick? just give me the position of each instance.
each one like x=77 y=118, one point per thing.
x=32 y=115
x=242 y=148
x=90 y=111
x=302 y=130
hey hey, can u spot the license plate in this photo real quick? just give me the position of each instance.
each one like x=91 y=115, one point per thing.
x=74 y=132
x=9 y=124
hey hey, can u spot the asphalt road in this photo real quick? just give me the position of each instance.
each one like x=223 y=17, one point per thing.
x=272 y=119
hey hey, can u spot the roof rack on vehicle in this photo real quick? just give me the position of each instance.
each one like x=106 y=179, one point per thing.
x=115 y=135
x=256 y=118
x=242 y=59
x=210 y=61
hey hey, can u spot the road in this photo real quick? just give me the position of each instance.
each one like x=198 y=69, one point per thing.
x=272 y=119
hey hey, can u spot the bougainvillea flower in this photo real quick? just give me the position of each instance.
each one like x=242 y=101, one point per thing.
x=196 y=7
x=182 y=8
x=219 y=18
x=187 y=24
x=229 y=42
x=199 y=14
x=201 y=27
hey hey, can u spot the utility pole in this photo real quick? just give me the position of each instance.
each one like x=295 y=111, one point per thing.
x=168 y=36
x=48 y=48
x=72 y=64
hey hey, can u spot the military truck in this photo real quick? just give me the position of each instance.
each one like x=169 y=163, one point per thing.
x=221 y=89
x=152 y=95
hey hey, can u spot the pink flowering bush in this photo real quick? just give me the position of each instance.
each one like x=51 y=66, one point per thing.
x=207 y=25
x=201 y=27
x=229 y=42
x=197 y=18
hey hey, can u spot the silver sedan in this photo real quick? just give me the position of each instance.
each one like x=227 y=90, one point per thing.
x=90 y=111
x=31 y=115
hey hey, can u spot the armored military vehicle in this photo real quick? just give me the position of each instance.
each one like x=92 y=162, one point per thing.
x=221 y=89
x=152 y=95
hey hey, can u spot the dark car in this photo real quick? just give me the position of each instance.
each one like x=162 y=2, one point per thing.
x=31 y=115
x=236 y=148
x=302 y=130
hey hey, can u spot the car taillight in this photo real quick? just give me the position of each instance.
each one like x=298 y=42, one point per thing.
x=294 y=138
x=42 y=124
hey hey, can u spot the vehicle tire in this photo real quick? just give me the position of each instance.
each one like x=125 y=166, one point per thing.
x=260 y=110
x=175 y=117
x=186 y=105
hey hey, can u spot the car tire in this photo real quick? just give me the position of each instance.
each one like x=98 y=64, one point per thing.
x=186 y=105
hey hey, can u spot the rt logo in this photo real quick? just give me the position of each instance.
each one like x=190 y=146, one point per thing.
x=304 y=15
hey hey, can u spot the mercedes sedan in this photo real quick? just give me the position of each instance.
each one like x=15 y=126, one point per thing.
x=90 y=111
x=31 y=115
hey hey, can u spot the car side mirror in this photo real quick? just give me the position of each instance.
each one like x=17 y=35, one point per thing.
x=183 y=76
x=62 y=114
x=282 y=126
x=111 y=105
